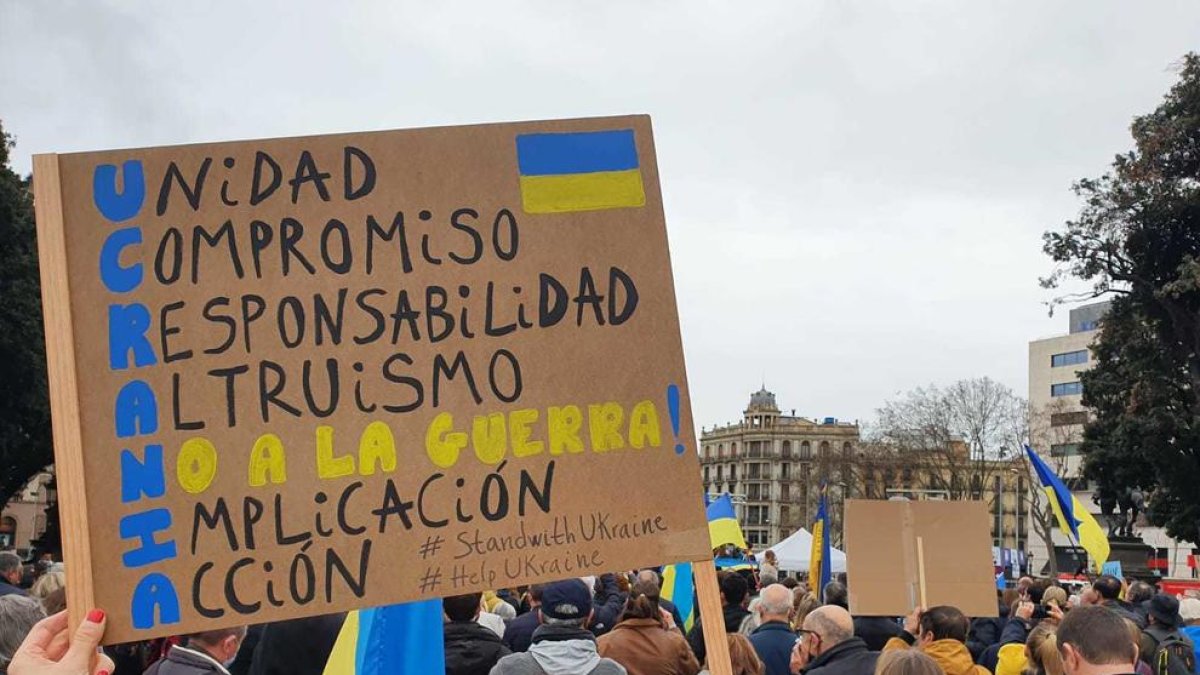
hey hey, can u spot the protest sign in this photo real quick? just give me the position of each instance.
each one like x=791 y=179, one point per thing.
x=297 y=376
x=1113 y=568
x=902 y=554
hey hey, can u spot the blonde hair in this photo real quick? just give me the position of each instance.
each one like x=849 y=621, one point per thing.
x=48 y=583
x=743 y=657
x=803 y=602
x=1042 y=645
x=906 y=662
x=1056 y=595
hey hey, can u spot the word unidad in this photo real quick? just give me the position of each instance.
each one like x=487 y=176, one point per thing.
x=492 y=437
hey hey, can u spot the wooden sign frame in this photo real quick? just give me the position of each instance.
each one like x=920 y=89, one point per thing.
x=64 y=371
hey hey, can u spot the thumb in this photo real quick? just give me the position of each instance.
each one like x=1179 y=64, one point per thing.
x=83 y=644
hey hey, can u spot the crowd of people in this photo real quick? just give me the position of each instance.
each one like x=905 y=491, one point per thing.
x=619 y=624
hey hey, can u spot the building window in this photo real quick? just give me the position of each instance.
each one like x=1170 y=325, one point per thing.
x=1066 y=389
x=733 y=449
x=785 y=471
x=785 y=515
x=785 y=492
x=846 y=448
x=1068 y=418
x=824 y=448
x=787 y=449
x=718 y=474
x=706 y=475
x=1069 y=359
x=733 y=472
x=1064 y=450
x=805 y=450
x=1085 y=326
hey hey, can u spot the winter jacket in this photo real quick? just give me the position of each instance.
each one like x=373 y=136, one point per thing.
x=184 y=661
x=471 y=649
x=519 y=632
x=644 y=647
x=1125 y=610
x=845 y=658
x=1153 y=636
x=1016 y=631
x=559 y=650
x=608 y=606
x=876 y=630
x=297 y=646
x=674 y=611
x=951 y=656
x=733 y=617
x=773 y=642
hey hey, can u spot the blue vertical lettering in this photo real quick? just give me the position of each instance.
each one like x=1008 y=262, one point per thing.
x=142 y=477
x=126 y=204
x=136 y=411
x=116 y=278
x=127 y=326
x=142 y=526
x=154 y=590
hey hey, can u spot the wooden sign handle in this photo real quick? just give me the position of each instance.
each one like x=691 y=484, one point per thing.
x=716 y=645
x=64 y=391
x=921 y=570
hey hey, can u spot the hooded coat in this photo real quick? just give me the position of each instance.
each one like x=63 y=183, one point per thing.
x=952 y=656
x=471 y=649
x=559 y=650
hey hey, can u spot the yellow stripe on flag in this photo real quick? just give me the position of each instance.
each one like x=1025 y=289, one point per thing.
x=1092 y=537
x=341 y=659
x=582 y=191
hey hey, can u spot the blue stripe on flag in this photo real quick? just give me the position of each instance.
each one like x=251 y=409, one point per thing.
x=571 y=153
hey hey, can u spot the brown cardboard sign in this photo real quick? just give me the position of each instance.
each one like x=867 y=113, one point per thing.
x=304 y=375
x=898 y=552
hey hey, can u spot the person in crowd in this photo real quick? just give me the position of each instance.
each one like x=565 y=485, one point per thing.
x=769 y=567
x=1161 y=645
x=1012 y=639
x=297 y=646
x=494 y=604
x=1138 y=596
x=206 y=652
x=803 y=602
x=492 y=622
x=1041 y=651
x=1135 y=636
x=18 y=615
x=1108 y=588
x=906 y=662
x=667 y=606
x=519 y=632
x=835 y=593
x=940 y=632
x=742 y=656
x=245 y=657
x=51 y=649
x=773 y=639
x=1189 y=613
x=1056 y=596
x=1094 y=641
x=827 y=645
x=641 y=642
x=733 y=599
x=562 y=644
x=470 y=648
x=751 y=622
x=876 y=630
x=609 y=603
x=47 y=584
x=10 y=573
x=791 y=583
x=55 y=602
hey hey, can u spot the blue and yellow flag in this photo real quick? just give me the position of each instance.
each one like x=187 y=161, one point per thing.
x=1073 y=519
x=723 y=526
x=394 y=640
x=820 y=570
x=679 y=587
x=579 y=171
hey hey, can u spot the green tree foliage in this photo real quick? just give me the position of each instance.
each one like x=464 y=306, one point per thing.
x=25 y=439
x=1137 y=237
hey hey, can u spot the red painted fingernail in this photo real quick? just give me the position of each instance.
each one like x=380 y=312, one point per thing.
x=96 y=616
x=102 y=672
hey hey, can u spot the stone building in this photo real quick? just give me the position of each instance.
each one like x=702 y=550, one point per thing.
x=773 y=465
x=23 y=519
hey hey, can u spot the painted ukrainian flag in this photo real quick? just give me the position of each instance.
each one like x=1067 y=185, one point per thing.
x=723 y=526
x=579 y=171
x=679 y=588
x=1073 y=518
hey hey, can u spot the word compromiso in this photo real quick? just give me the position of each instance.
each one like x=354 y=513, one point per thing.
x=135 y=411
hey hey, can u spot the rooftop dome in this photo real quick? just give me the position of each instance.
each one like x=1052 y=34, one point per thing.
x=762 y=401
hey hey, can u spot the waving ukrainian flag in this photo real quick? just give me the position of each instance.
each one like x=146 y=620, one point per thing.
x=679 y=587
x=1073 y=519
x=723 y=526
x=403 y=639
x=820 y=569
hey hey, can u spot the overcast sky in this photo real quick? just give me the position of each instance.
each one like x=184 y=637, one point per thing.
x=855 y=191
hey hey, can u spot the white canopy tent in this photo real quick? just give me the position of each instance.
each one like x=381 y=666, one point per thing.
x=794 y=553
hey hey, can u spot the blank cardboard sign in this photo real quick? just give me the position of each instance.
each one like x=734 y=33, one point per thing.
x=297 y=376
x=886 y=542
